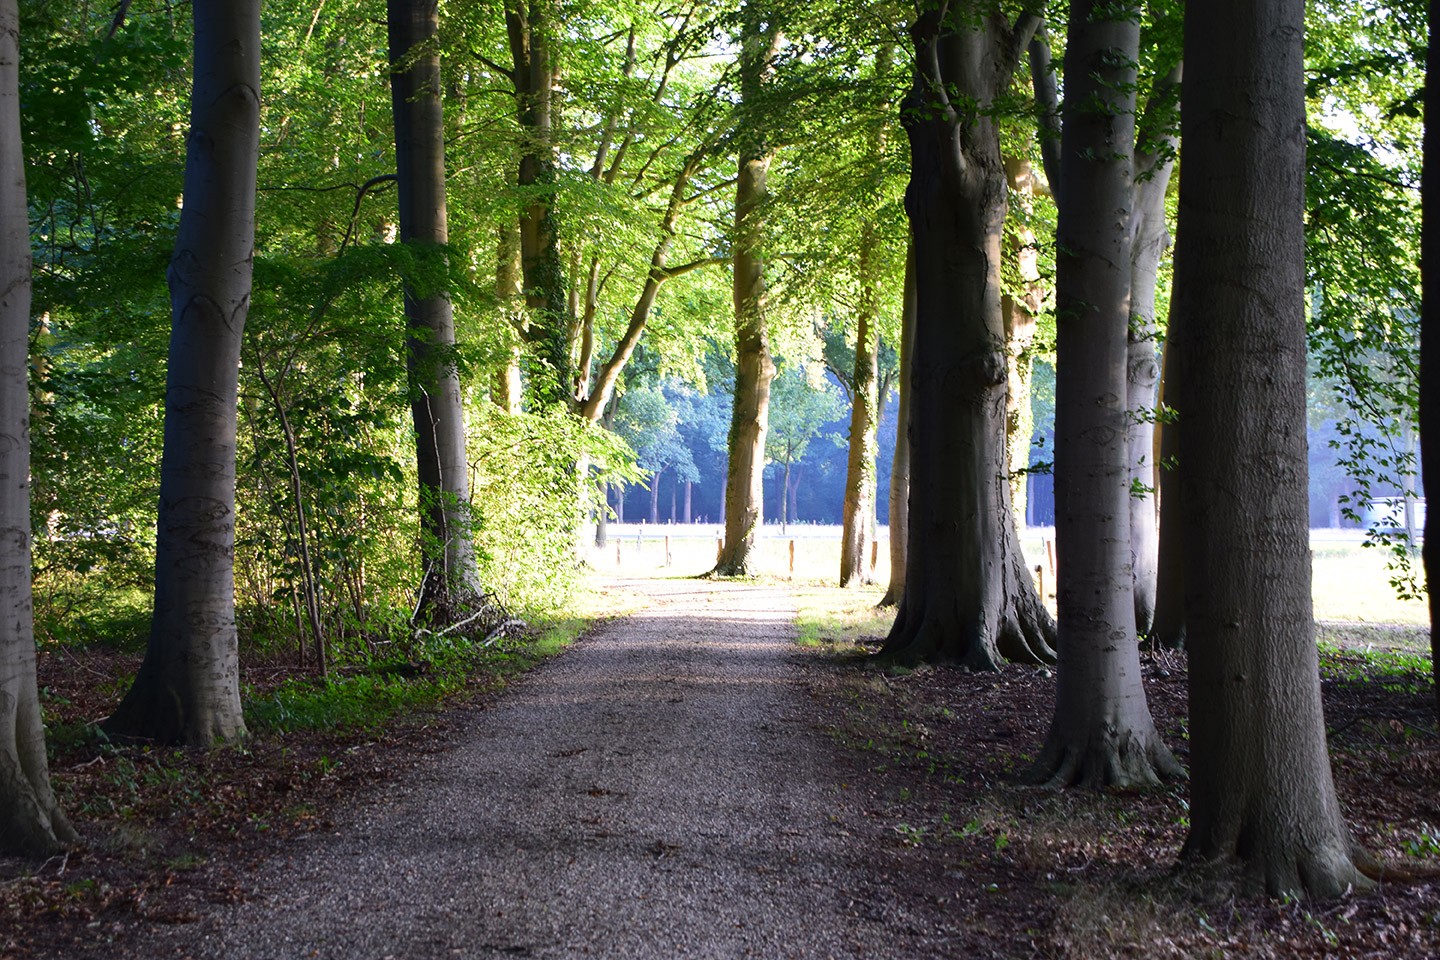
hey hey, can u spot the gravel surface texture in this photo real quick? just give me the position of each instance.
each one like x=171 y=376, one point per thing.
x=660 y=790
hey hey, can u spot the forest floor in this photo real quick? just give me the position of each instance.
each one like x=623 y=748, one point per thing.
x=690 y=781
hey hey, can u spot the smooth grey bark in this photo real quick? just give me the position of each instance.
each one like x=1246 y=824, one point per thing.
x=969 y=598
x=1167 y=630
x=858 y=509
x=188 y=686
x=754 y=366
x=1261 y=791
x=507 y=391
x=436 y=404
x=1152 y=239
x=1019 y=314
x=31 y=822
x=1101 y=733
x=899 y=507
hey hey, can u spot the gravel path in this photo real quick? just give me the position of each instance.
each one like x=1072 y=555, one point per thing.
x=658 y=791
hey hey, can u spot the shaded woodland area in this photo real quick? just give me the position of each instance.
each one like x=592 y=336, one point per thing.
x=332 y=338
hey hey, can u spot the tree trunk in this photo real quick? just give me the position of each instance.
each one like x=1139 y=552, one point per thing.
x=1102 y=733
x=785 y=499
x=1262 y=792
x=507 y=390
x=899 y=507
x=1152 y=238
x=1167 y=630
x=528 y=25
x=436 y=403
x=968 y=595
x=655 y=496
x=1430 y=338
x=619 y=503
x=859 y=505
x=30 y=820
x=754 y=368
x=604 y=388
x=1019 y=316
x=602 y=516
x=188 y=686
x=689 y=486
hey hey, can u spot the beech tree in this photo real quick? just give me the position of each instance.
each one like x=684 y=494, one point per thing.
x=1262 y=792
x=900 y=460
x=754 y=366
x=30 y=819
x=1102 y=733
x=968 y=595
x=530 y=26
x=436 y=404
x=188 y=686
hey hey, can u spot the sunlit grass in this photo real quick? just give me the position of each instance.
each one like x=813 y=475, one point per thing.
x=835 y=618
x=1351 y=583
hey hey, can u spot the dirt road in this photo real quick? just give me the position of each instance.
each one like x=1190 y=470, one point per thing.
x=658 y=791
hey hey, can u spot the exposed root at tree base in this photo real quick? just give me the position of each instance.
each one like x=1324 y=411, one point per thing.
x=1130 y=762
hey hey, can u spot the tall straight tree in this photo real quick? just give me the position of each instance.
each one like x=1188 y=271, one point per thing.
x=900 y=460
x=30 y=819
x=1155 y=153
x=858 y=515
x=968 y=595
x=188 y=686
x=1262 y=792
x=859 y=507
x=1102 y=733
x=754 y=367
x=530 y=26
x=435 y=400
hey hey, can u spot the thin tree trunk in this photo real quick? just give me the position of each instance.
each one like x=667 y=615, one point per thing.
x=1262 y=793
x=1102 y=733
x=188 y=686
x=1152 y=238
x=785 y=500
x=858 y=517
x=507 y=390
x=1020 y=320
x=859 y=504
x=899 y=506
x=30 y=819
x=1167 y=630
x=302 y=529
x=793 y=492
x=602 y=517
x=689 y=486
x=529 y=24
x=604 y=388
x=436 y=403
x=968 y=595
x=754 y=368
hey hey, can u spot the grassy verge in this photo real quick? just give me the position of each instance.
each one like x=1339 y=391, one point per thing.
x=837 y=620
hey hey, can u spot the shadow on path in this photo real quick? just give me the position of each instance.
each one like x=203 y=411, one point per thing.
x=658 y=791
